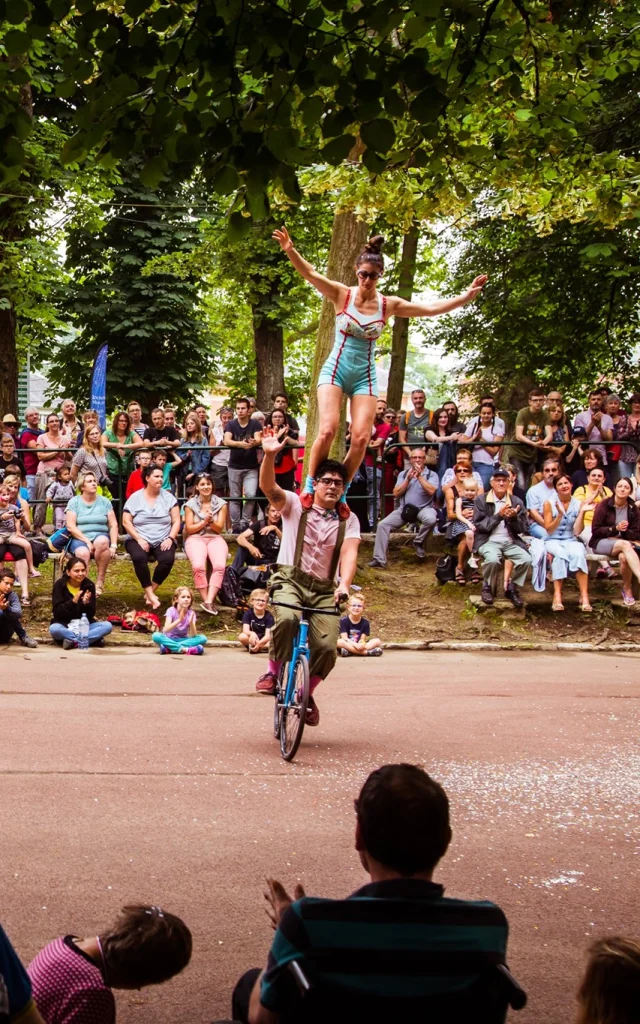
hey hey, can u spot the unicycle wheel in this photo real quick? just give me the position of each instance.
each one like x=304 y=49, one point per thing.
x=293 y=716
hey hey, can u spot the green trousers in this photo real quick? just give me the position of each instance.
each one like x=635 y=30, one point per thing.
x=297 y=587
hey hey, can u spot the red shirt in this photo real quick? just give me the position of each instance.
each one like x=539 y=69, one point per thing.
x=29 y=458
x=135 y=483
x=382 y=430
x=69 y=987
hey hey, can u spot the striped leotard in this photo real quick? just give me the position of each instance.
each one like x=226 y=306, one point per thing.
x=351 y=364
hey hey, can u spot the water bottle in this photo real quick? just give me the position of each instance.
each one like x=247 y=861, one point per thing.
x=83 y=634
x=74 y=626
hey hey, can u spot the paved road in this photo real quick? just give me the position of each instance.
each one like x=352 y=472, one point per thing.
x=127 y=776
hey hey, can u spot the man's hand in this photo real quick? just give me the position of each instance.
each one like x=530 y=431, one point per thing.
x=267 y=529
x=278 y=900
x=4 y=604
x=475 y=287
x=340 y=594
x=509 y=512
x=596 y=417
x=254 y=551
x=270 y=443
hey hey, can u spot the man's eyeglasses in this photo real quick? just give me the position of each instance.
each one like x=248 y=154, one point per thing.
x=364 y=274
x=329 y=481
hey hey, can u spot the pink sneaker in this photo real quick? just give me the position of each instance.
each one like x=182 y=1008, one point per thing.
x=313 y=713
x=198 y=649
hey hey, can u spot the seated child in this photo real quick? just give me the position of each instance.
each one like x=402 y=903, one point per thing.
x=11 y=530
x=179 y=632
x=72 y=979
x=257 y=623
x=59 y=493
x=355 y=632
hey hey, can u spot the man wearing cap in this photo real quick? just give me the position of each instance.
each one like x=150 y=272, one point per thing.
x=501 y=521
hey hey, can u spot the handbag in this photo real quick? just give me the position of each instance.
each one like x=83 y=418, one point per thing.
x=446 y=569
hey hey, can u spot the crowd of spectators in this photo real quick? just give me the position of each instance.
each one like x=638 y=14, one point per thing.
x=540 y=496
x=395 y=949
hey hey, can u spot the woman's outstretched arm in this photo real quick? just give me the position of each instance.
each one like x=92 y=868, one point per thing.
x=332 y=290
x=400 y=307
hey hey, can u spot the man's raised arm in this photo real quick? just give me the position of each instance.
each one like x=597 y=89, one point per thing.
x=271 y=446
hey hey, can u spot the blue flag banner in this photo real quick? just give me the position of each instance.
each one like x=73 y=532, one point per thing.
x=98 y=396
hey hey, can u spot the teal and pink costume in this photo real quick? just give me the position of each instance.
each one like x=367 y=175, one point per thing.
x=351 y=364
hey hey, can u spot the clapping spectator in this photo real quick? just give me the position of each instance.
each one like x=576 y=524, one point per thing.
x=560 y=513
x=59 y=493
x=598 y=426
x=501 y=522
x=178 y=634
x=460 y=512
x=257 y=623
x=532 y=433
x=610 y=990
x=91 y=457
x=49 y=461
x=135 y=415
x=28 y=440
x=120 y=442
x=260 y=543
x=415 y=491
x=486 y=451
x=152 y=520
x=286 y=459
x=243 y=436
x=8 y=456
x=590 y=497
x=631 y=435
x=355 y=638
x=73 y=978
x=74 y=595
x=616 y=532
x=205 y=516
x=11 y=615
x=93 y=527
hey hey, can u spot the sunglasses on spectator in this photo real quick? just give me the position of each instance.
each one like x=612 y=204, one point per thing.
x=389 y=416
x=364 y=274
x=330 y=481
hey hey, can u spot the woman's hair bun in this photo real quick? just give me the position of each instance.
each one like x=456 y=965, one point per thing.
x=374 y=245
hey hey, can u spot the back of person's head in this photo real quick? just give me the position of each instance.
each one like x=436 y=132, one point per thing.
x=403 y=816
x=332 y=466
x=610 y=990
x=145 y=946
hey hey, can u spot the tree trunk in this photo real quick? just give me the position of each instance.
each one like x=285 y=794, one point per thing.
x=8 y=363
x=400 y=334
x=348 y=236
x=268 y=343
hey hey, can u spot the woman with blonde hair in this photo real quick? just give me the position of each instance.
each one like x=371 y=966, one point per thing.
x=194 y=451
x=91 y=457
x=610 y=989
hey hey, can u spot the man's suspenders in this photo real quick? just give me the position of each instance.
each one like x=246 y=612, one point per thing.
x=335 y=558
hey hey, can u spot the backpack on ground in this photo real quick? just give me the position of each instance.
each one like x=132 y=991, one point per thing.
x=230 y=594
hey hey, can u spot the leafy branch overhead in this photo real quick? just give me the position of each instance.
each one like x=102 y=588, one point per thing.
x=506 y=94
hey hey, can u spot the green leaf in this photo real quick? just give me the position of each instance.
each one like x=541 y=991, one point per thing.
x=523 y=115
x=427 y=105
x=416 y=27
x=374 y=163
x=311 y=109
x=135 y=8
x=16 y=11
x=379 y=135
x=16 y=42
x=338 y=149
x=153 y=171
x=12 y=152
x=238 y=227
x=394 y=104
x=226 y=181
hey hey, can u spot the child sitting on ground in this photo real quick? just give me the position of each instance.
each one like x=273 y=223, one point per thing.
x=58 y=494
x=257 y=623
x=72 y=979
x=355 y=632
x=11 y=530
x=179 y=632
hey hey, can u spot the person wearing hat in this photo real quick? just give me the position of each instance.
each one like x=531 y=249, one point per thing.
x=10 y=425
x=415 y=489
x=501 y=522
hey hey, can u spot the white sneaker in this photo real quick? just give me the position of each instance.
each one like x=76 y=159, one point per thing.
x=473 y=562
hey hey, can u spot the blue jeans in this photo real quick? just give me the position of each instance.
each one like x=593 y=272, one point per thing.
x=242 y=480
x=97 y=630
x=486 y=472
x=379 y=473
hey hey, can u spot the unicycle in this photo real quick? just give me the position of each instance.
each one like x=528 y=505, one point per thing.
x=292 y=688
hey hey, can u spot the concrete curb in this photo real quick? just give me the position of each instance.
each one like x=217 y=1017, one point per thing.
x=415 y=645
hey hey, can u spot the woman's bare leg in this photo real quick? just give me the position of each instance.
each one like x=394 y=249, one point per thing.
x=363 y=414
x=329 y=406
x=583 y=586
x=102 y=556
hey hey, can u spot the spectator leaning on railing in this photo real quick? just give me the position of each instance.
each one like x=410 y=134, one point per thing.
x=49 y=462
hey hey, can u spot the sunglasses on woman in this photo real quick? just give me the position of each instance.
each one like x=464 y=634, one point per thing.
x=364 y=274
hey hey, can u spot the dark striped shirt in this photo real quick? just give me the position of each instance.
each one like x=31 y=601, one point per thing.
x=399 y=939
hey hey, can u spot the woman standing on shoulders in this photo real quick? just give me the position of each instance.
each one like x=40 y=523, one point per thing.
x=361 y=314
x=205 y=516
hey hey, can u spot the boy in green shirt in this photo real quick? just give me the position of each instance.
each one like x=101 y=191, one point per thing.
x=533 y=433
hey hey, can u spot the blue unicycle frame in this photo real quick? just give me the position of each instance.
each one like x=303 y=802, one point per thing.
x=292 y=689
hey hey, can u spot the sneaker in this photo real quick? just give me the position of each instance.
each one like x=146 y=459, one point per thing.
x=420 y=552
x=267 y=684
x=306 y=500
x=486 y=594
x=198 y=649
x=512 y=593
x=375 y=653
x=236 y=530
x=473 y=562
x=344 y=653
x=374 y=564
x=605 y=572
x=343 y=511
x=163 y=649
x=313 y=713
x=69 y=645
x=27 y=641
x=98 y=643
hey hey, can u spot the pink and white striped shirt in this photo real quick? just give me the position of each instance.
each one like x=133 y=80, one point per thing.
x=68 y=987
